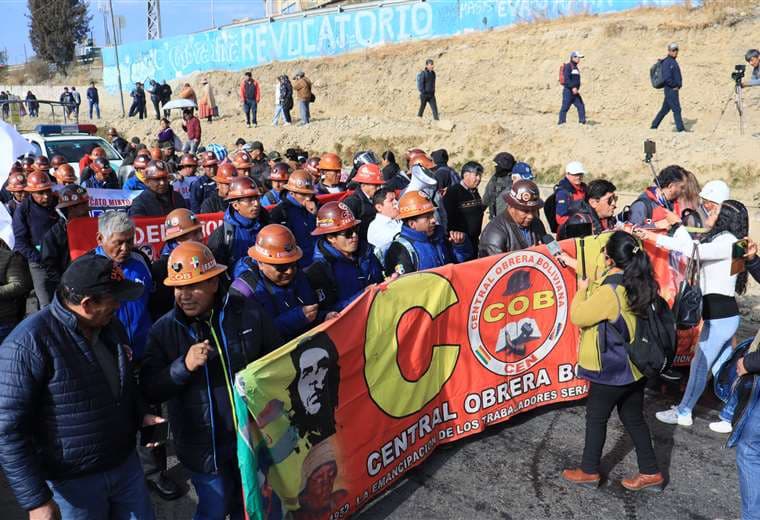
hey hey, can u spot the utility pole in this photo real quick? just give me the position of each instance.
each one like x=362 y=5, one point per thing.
x=116 y=53
x=154 y=19
x=213 y=22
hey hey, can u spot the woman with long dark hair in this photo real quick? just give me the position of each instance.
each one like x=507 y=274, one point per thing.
x=720 y=312
x=606 y=313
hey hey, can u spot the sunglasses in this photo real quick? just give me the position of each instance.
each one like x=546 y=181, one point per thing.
x=347 y=233
x=284 y=268
x=610 y=199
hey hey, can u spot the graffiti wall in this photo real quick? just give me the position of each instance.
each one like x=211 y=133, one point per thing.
x=333 y=31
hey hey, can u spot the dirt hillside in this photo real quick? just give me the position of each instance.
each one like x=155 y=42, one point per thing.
x=499 y=91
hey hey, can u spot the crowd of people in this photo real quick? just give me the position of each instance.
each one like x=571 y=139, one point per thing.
x=119 y=334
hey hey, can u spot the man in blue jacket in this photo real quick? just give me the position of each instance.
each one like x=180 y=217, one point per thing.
x=69 y=407
x=297 y=212
x=270 y=275
x=571 y=96
x=193 y=353
x=422 y=243
x=671 y=76
x=344 y=264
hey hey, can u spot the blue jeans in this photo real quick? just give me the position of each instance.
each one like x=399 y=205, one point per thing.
x=116 y=494
x=279 y=113
x=303 y=109
x=748 y=463
x=569 y=99
x=716 y=335
x=671 y=102
x=96 y=106
x=250 y=107
x=219 y=494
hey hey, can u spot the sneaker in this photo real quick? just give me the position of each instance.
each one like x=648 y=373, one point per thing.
x=671 y=416
x=721 y=426
x=248 y=125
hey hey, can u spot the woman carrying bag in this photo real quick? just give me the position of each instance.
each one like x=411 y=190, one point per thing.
x=606 y=313
x=720 y=312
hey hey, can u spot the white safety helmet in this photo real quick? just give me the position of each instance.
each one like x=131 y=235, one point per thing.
x=715 y=191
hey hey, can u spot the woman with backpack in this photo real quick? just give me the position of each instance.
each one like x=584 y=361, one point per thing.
x=606 y=313
x=720 y=312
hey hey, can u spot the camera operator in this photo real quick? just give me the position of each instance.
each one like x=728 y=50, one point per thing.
x=753 y=58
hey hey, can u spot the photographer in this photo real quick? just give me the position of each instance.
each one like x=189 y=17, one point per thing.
x=753 y=58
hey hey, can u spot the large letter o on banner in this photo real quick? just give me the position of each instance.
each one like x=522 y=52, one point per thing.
x=390 y=390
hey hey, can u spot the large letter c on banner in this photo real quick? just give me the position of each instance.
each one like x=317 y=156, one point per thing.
x=389 y=389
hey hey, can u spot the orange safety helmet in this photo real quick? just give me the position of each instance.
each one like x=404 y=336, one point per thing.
x=312 y=166
x=330 y=161
x=275 y=244
x=65 y=174
x=156 y=154
x=242 y=160
x=300 y=182
x=208 y=159
x=72 y=195
x=334 y=217
x=141 y=162
x=369 y=174
x=16 y=182
x=191 y=262
x=188 y=159
x=280 y=172
x=57 y=160
x=38 y=181
x=225 y=174
x=157 y=170
x=28 y=164
x=242 y=188
x=179 y=222
x=422 y=159
x=414 y=204
x=42 y=163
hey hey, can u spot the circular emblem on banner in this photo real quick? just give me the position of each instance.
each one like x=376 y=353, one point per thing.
x=518 y=313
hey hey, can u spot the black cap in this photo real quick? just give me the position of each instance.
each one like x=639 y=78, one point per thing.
x=504 y=160
x=96 y=275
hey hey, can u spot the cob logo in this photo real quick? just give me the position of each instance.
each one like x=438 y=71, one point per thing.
x=518 y=313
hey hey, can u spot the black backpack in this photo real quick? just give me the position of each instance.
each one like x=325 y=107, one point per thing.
x=625 y=215
x=550 y=210
x=655 y=75
x=653 y=347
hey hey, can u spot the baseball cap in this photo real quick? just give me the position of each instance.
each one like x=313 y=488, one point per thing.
x=575 y=168
x=504 y=160
x=673 y=46
x=576 y=54
x=715 y=191
x=96 y=275
x=523 y=170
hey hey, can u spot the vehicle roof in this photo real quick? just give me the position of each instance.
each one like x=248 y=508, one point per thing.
x=61 y=137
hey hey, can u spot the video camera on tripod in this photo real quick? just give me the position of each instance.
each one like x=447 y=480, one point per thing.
x=738 y=74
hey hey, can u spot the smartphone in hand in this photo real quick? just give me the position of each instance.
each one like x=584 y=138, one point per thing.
x=155 y=433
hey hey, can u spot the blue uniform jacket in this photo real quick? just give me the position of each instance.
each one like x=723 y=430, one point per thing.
x=571 y=80
x=134 y=184
x=30 y=224
x=135 y=315
x=671 y=73
x=200 y=190
x=297 y=218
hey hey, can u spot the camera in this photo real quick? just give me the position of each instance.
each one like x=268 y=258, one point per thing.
x=650 y=148
x=738 y=74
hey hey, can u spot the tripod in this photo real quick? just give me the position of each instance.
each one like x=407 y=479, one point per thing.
x=739 y=101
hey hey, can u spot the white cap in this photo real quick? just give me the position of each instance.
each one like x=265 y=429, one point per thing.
x=575 y=168
x=715 y=191
x=576 y=54
x=673 y=46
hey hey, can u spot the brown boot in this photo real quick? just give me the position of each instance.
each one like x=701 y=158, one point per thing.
x=580 y=477
x=640 y=481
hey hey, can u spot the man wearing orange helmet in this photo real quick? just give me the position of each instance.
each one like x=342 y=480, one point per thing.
x=32 y=219
x=369 y=179
x=344 y=265
x=64 y=175
x=297 y=212
x=185 y=176
x=422 y=243
x=270 y=275
x=193 y=353
x=330 y=167
x=73 y=202
x=85 y=170
x=278 y=178
x=519 y=226
x=103 y=175
x=216 y=202
x=159 y=199
x=16 y=187
x=242 y=221
x=204 y=186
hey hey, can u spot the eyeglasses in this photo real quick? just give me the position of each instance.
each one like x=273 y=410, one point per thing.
x=284 y=268
x=347 y=233
x=610 y=199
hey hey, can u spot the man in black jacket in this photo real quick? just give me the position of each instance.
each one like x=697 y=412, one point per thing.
x=671 y=76
x=464 y=207
x=118 y=142
x=159 y=199
x=426 y=86
x=193 y=353
x=519 y=227
x=571 y=82
x=215 y=202
x=69 y=407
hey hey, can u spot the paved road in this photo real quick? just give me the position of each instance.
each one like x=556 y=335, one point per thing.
x=512 y=471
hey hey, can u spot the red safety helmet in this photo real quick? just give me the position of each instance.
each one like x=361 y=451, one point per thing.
x=38 y=181
x=280 y=172
x=16 y=182
x=334 y=217
x=369 y=174
x=275 y=244
x=242 y=188
x=179 y=222
x=225 y=174
x=157 y=170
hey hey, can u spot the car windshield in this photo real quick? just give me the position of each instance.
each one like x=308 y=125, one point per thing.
x=73 y=149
